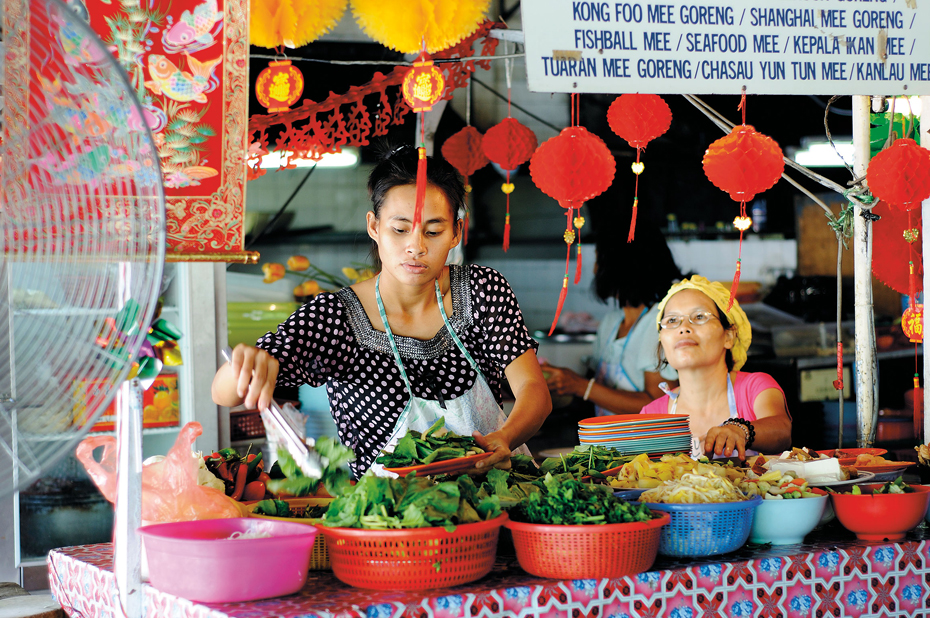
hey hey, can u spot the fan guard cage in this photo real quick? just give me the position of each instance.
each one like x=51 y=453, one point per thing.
x=83 y=230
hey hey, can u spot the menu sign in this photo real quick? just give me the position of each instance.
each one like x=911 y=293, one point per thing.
x=769 y=46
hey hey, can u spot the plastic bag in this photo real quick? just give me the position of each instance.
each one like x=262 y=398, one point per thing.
x=169 y=487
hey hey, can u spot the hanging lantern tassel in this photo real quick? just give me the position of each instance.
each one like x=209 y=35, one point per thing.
x=421 y=186
x=637 y=169
x=579 y=223
x=742 y=223
x=507 y=188
x=569 y=238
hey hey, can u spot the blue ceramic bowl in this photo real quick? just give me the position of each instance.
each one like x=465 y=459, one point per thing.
x=784 y=522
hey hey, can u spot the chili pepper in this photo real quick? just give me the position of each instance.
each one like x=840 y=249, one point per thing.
x=240 y=482
x=228 y=453
x=263 y=477
x=254 y=491
x=222 y=471
x=253 y=462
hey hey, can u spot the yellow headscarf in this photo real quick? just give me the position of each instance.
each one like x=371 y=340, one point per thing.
x=718 y=293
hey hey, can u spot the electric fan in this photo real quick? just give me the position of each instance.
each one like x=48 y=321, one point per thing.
x=83 y=232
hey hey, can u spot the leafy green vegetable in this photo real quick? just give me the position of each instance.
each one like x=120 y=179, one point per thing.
x=416 y=449
x=897 y=486
x=566 y=500
x=586 y=460
x=413 y=502
x=335 y=476
x=272 y=508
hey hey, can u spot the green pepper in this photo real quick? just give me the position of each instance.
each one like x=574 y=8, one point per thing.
x=254 y=464
x=856 y=491
x=229 y=453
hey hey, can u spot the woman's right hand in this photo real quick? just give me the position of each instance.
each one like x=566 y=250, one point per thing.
x=562 y=381
x=255 y=373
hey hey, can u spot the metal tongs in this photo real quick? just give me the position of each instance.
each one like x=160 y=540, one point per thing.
x=280 y=429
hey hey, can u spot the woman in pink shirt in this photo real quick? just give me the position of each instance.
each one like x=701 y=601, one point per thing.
x=730 y=411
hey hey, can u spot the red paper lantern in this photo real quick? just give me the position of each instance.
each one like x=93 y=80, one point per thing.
x=572 y=167
x=509 y=144
x=900 y=174
x=912 y=323
x=464 y=151
x=639 y=119
x=891 y=250
x=279 y=86
x=744 y=163
x=423 y=84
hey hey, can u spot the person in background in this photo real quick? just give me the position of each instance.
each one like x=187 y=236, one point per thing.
x=626 y=375
x=420 y=341
x=730 y=411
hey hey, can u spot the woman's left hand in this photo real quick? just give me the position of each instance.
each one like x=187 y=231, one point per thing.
x=496 y=443
x=724 y=441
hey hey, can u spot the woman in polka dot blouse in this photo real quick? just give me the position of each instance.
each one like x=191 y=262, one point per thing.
x=447 y=335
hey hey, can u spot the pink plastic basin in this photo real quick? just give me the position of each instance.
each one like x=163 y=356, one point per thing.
x=196 y=560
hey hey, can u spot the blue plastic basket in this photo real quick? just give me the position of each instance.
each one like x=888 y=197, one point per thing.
x=706 y=529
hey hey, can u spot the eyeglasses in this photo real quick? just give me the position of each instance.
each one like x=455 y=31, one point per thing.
x=698 y=318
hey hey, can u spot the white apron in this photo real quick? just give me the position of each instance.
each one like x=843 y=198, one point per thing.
x=474 y=410
x=610 y=371
x=697 y=446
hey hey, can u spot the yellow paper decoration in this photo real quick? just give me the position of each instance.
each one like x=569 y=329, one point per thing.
x=292 y=23
x=405 y=24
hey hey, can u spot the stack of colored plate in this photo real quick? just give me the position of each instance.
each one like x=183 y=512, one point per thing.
x=633 y=434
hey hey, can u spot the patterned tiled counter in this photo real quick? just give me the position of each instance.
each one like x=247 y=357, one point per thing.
x=831 y=574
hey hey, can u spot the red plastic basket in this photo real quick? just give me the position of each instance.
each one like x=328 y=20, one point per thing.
x=587 y=552
x=415 y=559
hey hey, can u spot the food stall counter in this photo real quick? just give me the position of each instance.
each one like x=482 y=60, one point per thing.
x=830 y=574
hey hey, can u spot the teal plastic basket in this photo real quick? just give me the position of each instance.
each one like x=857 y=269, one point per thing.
x=706 y=529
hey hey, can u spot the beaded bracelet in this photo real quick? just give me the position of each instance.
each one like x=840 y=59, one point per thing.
x=746 y=426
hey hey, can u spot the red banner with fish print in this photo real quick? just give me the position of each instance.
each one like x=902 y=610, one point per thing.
x=187 y=61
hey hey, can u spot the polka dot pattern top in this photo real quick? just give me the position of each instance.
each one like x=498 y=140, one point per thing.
x=331 y=341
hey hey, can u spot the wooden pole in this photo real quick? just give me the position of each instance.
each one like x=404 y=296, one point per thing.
x=866 y=366
x=925 y=218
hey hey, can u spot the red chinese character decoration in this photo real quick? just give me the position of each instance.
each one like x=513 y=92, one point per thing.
x=900 y=174
x=912 y=323
x=279 y=85
x=464 y=151
x=572 y=167
x=509 y=144
x=742 y=164
x=639 y=119
x=423 y=85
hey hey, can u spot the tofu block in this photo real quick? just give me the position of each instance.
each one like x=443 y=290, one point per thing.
x=816 y=471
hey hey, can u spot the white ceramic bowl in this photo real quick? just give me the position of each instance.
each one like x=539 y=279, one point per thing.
x=784 y=522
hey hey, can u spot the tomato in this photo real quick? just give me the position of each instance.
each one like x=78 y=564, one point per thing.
x=254 y=491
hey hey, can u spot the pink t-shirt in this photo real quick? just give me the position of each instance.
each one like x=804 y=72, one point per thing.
x=746 y=387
